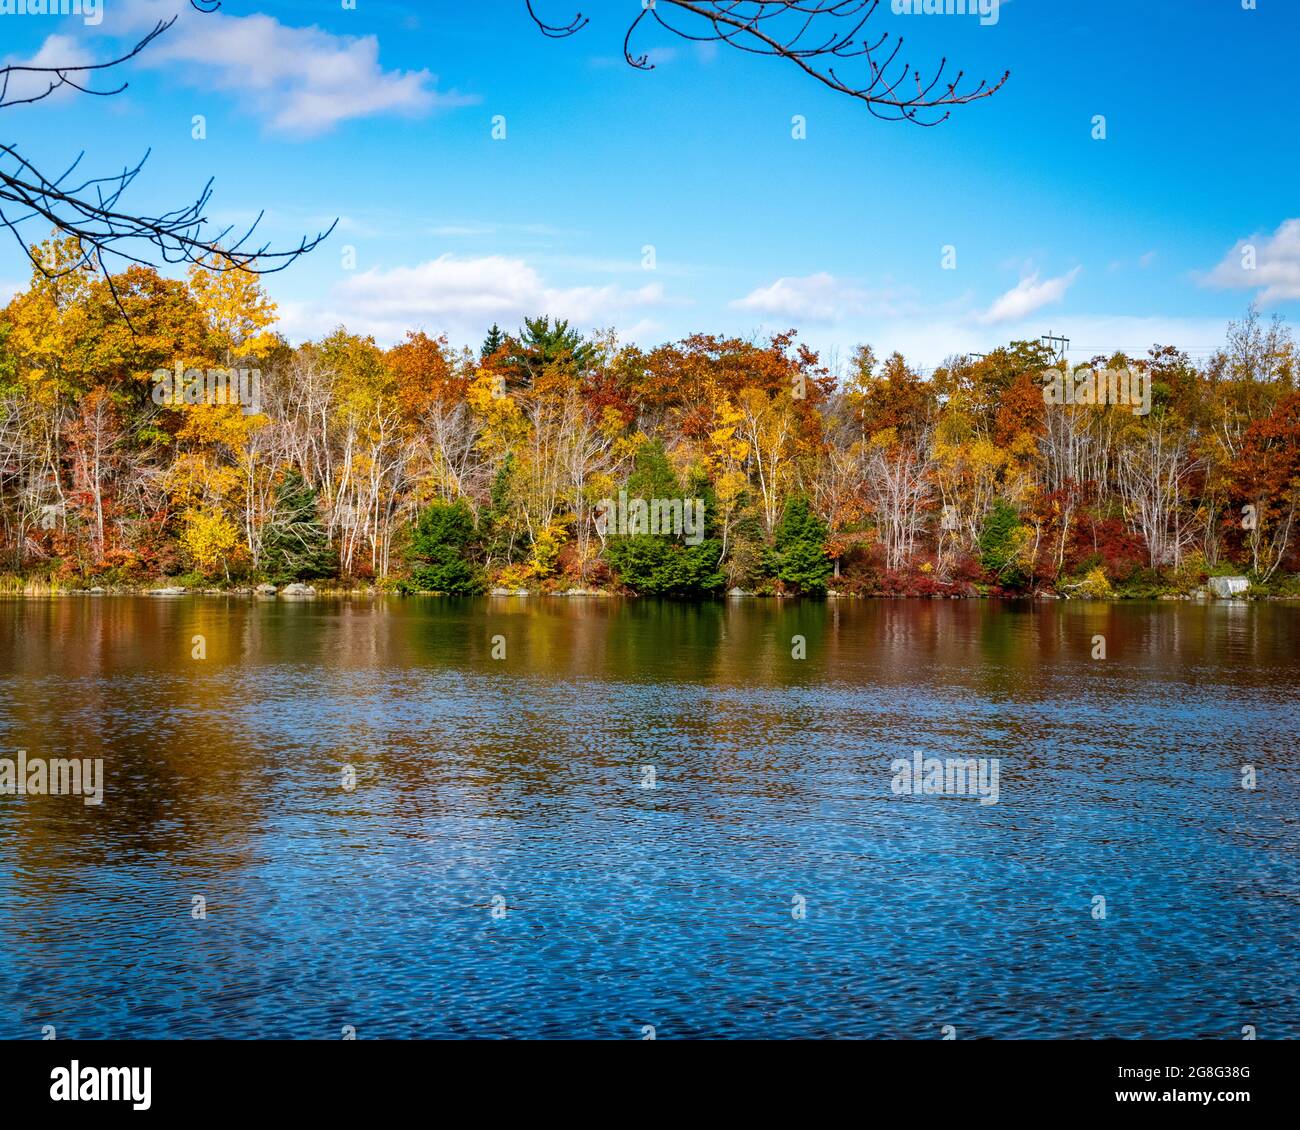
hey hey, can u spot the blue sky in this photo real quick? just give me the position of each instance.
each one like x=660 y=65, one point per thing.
x=382 y=116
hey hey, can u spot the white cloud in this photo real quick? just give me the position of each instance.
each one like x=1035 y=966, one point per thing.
x=56 y=51
x=1276 y=274
x=463 y=296
x=302 y=81
x=661 y=56
x=820 y=298
x=1027 y=296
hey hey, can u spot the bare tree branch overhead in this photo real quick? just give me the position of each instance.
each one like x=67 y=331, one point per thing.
x=89 y=207
x=814 y=35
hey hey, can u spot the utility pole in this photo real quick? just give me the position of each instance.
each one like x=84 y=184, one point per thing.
x=1058 y=345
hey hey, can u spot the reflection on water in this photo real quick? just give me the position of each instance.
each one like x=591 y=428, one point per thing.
x=626 y=906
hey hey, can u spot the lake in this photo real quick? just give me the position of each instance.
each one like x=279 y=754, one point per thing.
x=581 y=817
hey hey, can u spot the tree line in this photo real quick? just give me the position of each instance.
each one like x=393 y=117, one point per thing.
x=424 y=467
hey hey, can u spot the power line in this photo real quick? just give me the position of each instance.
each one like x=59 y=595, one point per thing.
x=1051 y=341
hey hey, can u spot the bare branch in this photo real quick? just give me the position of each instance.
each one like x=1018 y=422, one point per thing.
x=57 y=77
x=812 y=34
x=90 y=211
x=557 y=31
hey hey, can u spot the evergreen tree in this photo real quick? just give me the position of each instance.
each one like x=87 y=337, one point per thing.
x=541 y=344
x=999 y=542
x=663 y=564
x=441 y=550
x=295 y=543
x=798 y=557
x=746 y=550
x=496 y=522
x=652 y=475
x=494 y=341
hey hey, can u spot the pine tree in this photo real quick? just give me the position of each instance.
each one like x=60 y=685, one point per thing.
x=497 y=522
x=799 y=555
x=999 y=541
x=541 y=344
x=493 y=342
x=295 y=543
x=662 y=564
x=441 y=549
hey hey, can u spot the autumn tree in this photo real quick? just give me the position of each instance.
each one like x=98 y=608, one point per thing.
x=1267 y=478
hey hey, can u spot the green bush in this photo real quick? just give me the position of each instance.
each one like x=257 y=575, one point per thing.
x=1143 y=584
x=441 y=551
x=798 y=557
x=1000 y=541
x=658 y=564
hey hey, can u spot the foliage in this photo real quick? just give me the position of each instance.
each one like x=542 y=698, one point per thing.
x=493 y=343
x=439 y=550
x=1094 y=586
x=211 y=540
x=541 y=346
x=1001 y=542
x=659 y=564
x=798 y=558
x=655 y=566
x=427 y=467
x=295 y=543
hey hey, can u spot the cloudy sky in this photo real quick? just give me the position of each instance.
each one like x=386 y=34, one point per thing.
x=678 y=200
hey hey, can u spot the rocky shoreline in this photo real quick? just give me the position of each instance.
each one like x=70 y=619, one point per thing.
x=298 y=591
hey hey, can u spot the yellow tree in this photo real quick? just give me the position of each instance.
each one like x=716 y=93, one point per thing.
x=218 y=479
x=49 y=322
x=238 y=312
x=724 y=457
x=767 y=427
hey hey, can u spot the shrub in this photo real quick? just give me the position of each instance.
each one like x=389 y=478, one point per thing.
x=798 y=557
x=212 y=542
x=440 y=550
x=1190 y=574
x=1095 y=586
x=1000 y=542
x=1106 y=542
x=659 y=566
